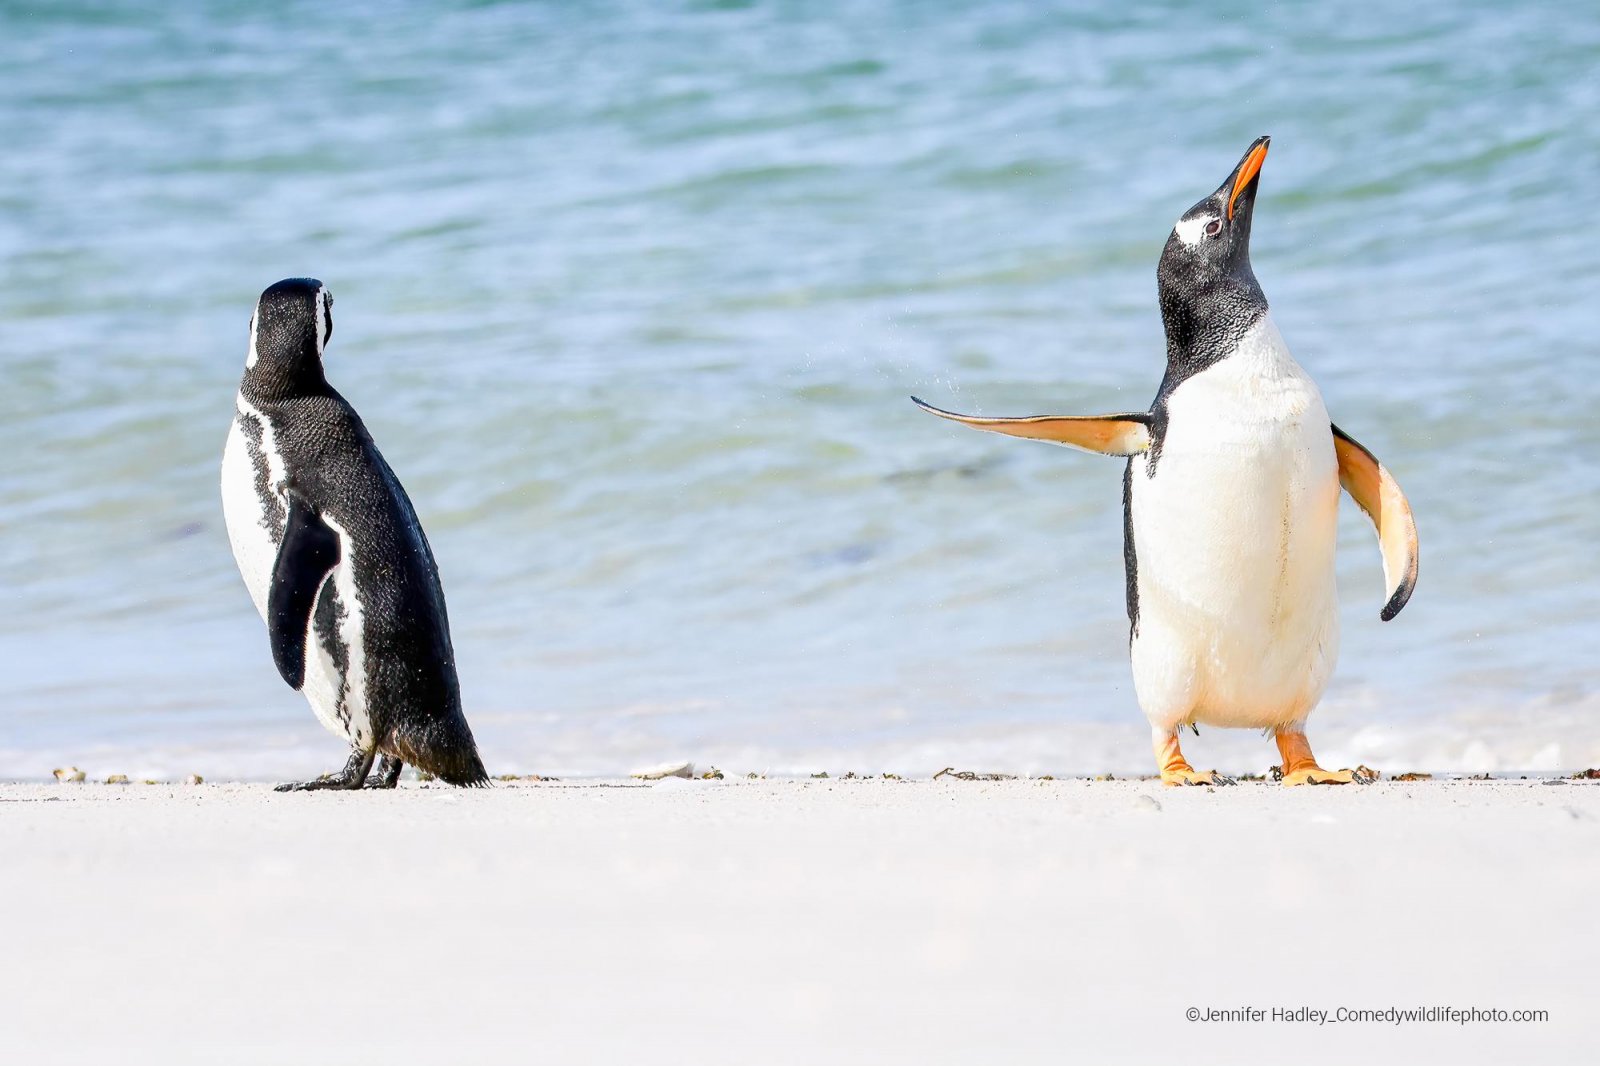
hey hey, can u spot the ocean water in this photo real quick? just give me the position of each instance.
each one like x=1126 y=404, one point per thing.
x=632 y=297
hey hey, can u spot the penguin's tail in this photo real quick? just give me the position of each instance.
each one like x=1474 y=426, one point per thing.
x=444 y=748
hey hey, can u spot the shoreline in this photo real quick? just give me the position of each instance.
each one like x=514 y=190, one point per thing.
x=1511 y=740
x=578 y=780
x=72 y=777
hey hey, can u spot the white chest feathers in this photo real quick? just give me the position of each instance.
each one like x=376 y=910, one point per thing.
x=253 y=507
x=1234 y=534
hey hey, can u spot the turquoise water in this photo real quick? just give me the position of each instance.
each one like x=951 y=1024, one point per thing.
x=632 y=297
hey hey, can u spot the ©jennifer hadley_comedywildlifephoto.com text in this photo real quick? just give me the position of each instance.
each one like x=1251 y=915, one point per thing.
x=1365 y=1015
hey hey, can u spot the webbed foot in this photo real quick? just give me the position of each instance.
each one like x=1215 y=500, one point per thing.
x=1316 y=775
x=354 y=775
x=1300 y=766
x=1175 y=769
x=1188 y=775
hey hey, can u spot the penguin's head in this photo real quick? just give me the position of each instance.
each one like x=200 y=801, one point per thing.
x=1210 y=246
x=291 y=325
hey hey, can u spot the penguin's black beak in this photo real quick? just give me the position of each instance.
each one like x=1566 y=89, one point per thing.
x=1245 y=175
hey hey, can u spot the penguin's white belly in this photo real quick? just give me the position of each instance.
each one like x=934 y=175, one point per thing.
x=1234 y=538
x=252 y=531
x=255 y=521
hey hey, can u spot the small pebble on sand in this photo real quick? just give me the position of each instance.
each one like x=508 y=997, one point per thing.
x=664 y=770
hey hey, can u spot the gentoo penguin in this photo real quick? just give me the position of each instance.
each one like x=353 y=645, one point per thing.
x=1230 y=504
x=335 y=559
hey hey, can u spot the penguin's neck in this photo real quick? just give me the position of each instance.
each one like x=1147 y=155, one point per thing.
x=1205 y=324
x=265 y=384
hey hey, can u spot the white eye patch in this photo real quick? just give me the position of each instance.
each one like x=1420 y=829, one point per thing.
x=1190 y=230
x=322 y=319
x=250 y=360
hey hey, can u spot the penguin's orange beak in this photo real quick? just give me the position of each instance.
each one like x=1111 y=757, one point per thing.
x=1248 y=169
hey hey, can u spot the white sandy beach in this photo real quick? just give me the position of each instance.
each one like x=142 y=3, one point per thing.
x=792 y=921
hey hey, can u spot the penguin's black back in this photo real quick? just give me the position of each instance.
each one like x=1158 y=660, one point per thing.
x=413 y=694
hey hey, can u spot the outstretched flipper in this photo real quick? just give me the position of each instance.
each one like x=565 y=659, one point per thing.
x=1122 y=434
x=309 y=552
x=1371 y=485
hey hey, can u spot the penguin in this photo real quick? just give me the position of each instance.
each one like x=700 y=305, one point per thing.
x=1230 y=505
x=335 y=560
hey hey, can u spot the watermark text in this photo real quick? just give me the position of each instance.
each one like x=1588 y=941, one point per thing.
x=1365 y=1015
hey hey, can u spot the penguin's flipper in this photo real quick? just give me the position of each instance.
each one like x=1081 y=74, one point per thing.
x=1123 y=434
x=1375 y=490
x=309 y=552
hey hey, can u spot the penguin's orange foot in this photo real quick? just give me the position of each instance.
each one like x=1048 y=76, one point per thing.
x=1300 y=766
x=1316 y=775
x=1175 y=769
x=1188 y=775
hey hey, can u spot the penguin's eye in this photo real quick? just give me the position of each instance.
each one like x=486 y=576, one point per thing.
x=1213 y=227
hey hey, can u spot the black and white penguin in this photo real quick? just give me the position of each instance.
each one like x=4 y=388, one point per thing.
x=335 y=559
x=1230 y=504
